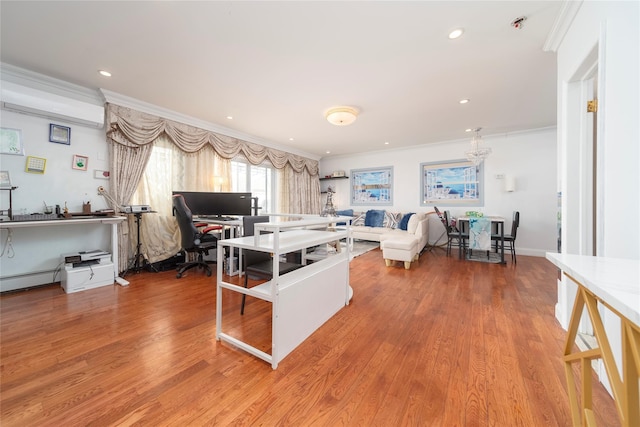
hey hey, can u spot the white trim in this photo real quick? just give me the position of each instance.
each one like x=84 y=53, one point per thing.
x=563 y=21
x=35 y=80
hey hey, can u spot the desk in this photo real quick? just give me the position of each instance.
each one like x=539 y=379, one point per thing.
x=615 y=284
x=113 y=221
x=301 y=300
x=235 y=230
x=497 y=220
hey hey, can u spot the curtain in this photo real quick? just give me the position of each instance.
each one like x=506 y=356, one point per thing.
x=299 y=192
x=133 y=128
x=169 y=169
x=131 y=135
x=127 y=166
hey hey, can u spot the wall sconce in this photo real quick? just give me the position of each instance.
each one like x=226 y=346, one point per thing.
x=509 y=184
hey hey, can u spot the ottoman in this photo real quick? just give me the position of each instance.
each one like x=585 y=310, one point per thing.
x=400 y=248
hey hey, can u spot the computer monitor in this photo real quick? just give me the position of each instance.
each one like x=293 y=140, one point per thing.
x=217 y=203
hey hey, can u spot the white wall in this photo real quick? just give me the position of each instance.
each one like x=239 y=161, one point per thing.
x=611 y=30
x=38 y=250
x=530 y=157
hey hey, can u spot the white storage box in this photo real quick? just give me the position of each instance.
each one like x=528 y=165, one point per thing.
x=83 y=278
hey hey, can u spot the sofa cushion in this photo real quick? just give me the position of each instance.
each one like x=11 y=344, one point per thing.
x=344 y=212
x=391 y=219
x=402 y=225
x=413 y=222
x=374 y=218
x=359 y=220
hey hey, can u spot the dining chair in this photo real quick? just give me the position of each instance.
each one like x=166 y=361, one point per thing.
x=257 y=264
x=454 y=235
x=509 y=239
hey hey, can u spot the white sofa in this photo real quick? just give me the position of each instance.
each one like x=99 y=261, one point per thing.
x=418 y=225
x=396 y=244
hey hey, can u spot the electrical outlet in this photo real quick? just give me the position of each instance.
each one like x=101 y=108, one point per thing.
x=500 y=176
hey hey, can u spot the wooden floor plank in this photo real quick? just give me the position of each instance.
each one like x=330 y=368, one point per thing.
x=448 y=342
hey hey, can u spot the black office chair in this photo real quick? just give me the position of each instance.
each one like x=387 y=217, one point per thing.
x=193 y=240
x=509 y=239
x=454 y=237
x=259 y=265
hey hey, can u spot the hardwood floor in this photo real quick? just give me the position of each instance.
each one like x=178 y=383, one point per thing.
x=447 y=343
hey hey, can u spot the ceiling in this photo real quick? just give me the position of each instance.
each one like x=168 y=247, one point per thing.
x=277 y=67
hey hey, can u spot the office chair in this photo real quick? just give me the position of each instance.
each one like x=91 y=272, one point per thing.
x=259 y=265
x=509 y=239
x=193 y=240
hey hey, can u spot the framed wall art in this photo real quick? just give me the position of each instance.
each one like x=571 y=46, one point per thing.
x=35 y=164
x=5 y=179
x=59 y=134
x=373 y=186
x=11 y=141
x=452 y=183
x=80 y=162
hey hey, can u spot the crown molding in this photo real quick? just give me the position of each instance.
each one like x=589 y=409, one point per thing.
x=568 y=12
x=28 y=78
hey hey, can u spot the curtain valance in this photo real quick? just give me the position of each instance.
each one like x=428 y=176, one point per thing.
x=133 y=128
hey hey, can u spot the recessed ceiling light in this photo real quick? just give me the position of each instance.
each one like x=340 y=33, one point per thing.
x=386 y=143
x=328 y=152
x=229 y=117
x=456 y=33
x=104 y=73
x=290 y=139
x=464 y=101
x=468 y=130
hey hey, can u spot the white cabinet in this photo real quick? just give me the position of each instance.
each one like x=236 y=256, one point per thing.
x=302 y=300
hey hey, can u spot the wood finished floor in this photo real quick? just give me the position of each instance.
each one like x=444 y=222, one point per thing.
x=447 y=343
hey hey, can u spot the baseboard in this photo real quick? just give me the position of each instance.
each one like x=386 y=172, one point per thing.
x=28 y=280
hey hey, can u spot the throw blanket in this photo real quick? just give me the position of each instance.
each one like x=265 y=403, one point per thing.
x=480 y=233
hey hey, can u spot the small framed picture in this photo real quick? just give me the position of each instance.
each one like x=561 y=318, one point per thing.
x=80 y=162
x=59 y=134
x=35 y=164
x=5 y=179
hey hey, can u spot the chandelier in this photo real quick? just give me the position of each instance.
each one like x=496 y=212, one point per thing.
x=478 y=151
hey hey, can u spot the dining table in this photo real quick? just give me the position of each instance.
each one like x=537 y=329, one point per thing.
x=497 y=223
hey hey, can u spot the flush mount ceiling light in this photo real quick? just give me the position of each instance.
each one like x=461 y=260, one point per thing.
x=341 y=116
x=104 y=73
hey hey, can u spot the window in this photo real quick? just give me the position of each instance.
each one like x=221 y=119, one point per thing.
x=259 y=180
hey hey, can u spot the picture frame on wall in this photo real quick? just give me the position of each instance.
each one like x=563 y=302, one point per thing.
x=35 y=165
x=372 y=186
x=11 y=141
x=59 y=134
x=452 y=183
x=5 y=180
x=80 y=162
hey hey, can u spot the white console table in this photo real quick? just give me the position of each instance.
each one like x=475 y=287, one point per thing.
x=113 y=221
x=302 y=300
x=615 y=283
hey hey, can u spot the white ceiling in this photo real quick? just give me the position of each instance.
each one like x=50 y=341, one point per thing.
x=276 y=67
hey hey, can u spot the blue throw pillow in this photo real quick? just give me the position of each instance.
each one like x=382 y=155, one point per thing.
x=345 y=212
x=374 y=218
x=405 y=221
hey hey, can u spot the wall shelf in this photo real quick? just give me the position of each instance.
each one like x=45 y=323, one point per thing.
x=334 y=177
